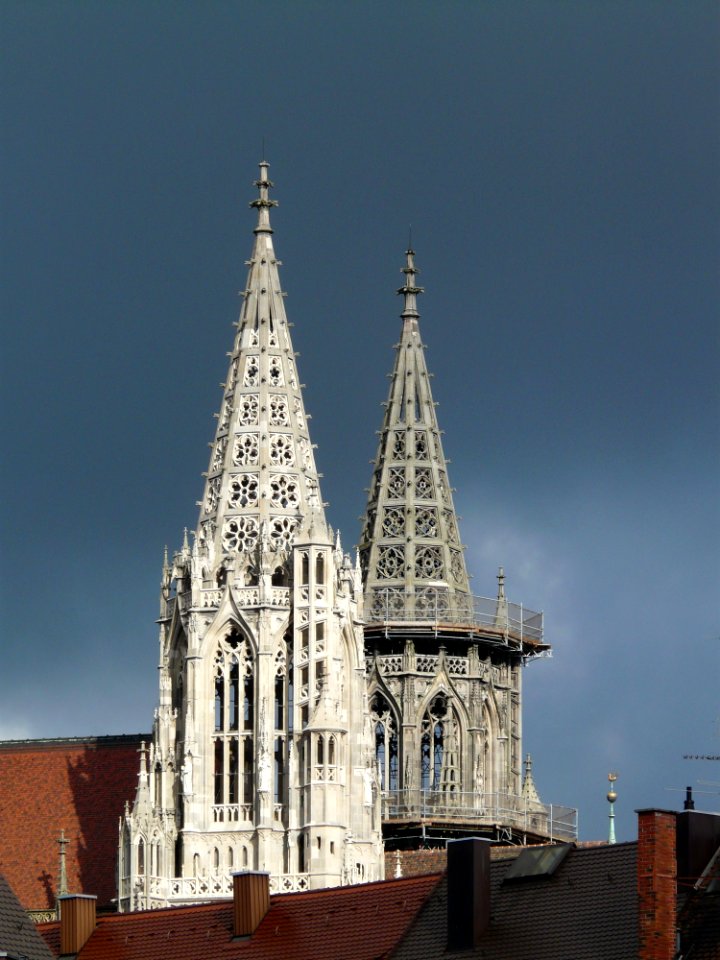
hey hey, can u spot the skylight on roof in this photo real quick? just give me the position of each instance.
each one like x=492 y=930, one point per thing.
x=538 y=862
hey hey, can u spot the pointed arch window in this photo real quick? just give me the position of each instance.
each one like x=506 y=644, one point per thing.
x=440 y=747
x=385 y=726
x=233 y=748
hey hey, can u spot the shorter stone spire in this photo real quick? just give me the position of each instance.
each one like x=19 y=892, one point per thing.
x=412 y=558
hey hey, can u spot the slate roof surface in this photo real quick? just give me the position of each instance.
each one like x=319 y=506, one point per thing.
x=18 y=934
x=362 y=922
x=587 y=910
x=76 y=785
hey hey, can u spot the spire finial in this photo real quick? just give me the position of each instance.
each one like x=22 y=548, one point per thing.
x=611 y=798
x=410 y=290
x=263 y=202
x=501 y=584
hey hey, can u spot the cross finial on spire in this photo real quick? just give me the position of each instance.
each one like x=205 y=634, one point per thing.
x=410 y=290
x=263 y=202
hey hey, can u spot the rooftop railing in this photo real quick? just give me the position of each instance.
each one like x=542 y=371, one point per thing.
x=553 y=821
x=438 y=606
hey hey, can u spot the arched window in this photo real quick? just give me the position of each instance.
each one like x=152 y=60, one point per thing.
x=320 y=569
x=440 y=747
x=279 y=577
x=234 y=686
x=230 y=857
x=216 y=859
x=141 y=857
x=386 y=742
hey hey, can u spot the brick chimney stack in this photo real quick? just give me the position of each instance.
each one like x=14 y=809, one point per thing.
x=657 y=884
x=77 y=921
x=251 y=901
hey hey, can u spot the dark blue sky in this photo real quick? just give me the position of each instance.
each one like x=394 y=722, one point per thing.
x=559 y=164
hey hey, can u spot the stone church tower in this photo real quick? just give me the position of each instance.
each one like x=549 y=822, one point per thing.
x=262 y=754
x=444 y=667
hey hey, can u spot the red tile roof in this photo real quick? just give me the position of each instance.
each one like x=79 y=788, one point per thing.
x=362 y=922
x=76 y=785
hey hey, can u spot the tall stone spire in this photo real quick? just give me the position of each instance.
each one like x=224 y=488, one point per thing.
x=261 y=741
x=262 y=480
x=413 y=562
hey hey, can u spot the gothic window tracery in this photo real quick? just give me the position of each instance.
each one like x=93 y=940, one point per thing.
x=232 y=374
x=393 y=522
x=450 y=526
x=240 y=534
x=396 y=482
x=284 y=491
x=387 y=603
x=245 y=449
x=426 y=522
x=456 y=565
x=423 y=483
x=252 y=372
x=218 y=455
x=243 y=491
x=398 y=445
x=275 y=372
x=213 y=493
x=440 y=747
x=282 y=530
x=443 y=484
x=391 y=561
x=234 y=698
x=225 y=413
x=386 y=741
x=432 y=602
x=282 y=451
x=279 y=412
x=248 y=410
x=421 y=445
x=428 y=563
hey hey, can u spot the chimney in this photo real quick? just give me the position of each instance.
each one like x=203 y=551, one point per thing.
x=657 y=884
x=77 y=921
x=251 y=901
x=468 y=892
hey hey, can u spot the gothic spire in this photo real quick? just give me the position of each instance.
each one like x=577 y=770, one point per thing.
x=262 y=481
x=413 y=562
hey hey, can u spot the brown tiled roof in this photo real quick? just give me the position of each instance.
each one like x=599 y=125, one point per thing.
x=361 y=922
x=585 y=910
x=18 y=934
x=76 y=785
